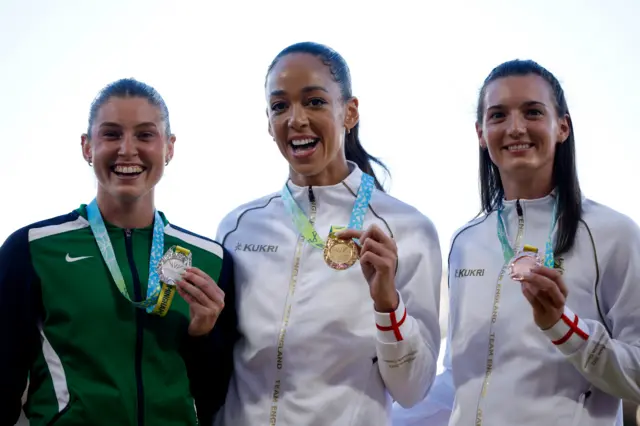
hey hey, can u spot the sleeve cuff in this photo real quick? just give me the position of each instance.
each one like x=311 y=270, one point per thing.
x=393 y=326
x=569 y=334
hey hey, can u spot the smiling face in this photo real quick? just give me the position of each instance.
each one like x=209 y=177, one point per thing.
x=308 y=117
x=520 y=126
x=128 y=147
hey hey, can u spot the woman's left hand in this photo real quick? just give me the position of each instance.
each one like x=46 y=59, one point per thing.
x=205 y=299
x=546 y=292
x=378 y=260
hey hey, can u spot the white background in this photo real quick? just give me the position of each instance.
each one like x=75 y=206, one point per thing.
x=417 y=67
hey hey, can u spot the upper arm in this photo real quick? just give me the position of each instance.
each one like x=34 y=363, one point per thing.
x=419 y=277
x=620 y=281
x=228 y=286
x=19 y=306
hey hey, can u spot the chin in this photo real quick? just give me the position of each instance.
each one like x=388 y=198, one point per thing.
x=128 y=195
x=306 y=169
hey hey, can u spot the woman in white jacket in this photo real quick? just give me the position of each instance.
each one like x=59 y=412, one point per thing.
x=332 y=330
x=558 y=344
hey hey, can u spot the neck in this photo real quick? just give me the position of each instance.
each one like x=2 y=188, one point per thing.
x=333 y=174
x=529 y=188
x=138 y=213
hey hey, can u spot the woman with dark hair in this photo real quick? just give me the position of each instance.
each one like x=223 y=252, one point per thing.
x=109 y=310
x=546 y=330
x=325 y=340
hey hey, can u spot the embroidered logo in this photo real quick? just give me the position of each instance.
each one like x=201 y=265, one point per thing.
x=461 y=273
x=260 y=248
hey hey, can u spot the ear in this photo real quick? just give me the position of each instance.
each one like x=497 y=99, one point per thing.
x=170 y=144
x=86 y=147
x=352 y=115
x=564 y=128
x=481 y=140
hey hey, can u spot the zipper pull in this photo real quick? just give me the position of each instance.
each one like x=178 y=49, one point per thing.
x=127 y=233
x=518 y=207
x=312 y=197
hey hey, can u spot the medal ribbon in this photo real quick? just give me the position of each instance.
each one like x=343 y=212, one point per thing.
x=305 y=227
x=507 y=250
x=106 y=249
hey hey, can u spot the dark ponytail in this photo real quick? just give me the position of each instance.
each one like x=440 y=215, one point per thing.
x=354 y=151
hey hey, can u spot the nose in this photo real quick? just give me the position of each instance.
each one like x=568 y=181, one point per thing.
x=128 y=146
x=517 y=126
x=298 y=118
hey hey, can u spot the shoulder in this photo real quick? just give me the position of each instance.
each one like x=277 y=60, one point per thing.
x=470 y=229
x=49 y=227
x=604 y=220
x=16 y=246
x=402 y=217
x=255 y=208
x=606 y=225
x=191 y=238
x=208 y=254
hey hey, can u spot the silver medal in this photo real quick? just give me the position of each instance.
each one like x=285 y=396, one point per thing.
x=172 y=265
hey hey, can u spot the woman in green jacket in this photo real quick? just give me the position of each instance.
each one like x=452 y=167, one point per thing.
x=88 y=305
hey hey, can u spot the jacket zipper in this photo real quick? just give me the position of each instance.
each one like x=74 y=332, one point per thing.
x=137 y=291
x=518 y=208
x=496 y=307
x=314 y=206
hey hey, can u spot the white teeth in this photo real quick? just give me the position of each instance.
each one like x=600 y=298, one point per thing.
x=520 y=146
x=299 y=142
x=128 y=169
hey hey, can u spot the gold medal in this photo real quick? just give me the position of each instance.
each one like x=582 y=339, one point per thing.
x=340 y=254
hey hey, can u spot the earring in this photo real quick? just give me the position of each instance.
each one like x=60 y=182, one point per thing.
x=89 y=163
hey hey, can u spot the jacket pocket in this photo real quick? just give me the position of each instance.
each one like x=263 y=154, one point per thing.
x=580 y=407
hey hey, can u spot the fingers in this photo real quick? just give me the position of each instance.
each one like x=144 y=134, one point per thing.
x=373 y=232
x=203 y=280
x=201 y=289
x=554 y=275
x=377 y=255
x=545 y=290
x=535 y=303
x=348 y=234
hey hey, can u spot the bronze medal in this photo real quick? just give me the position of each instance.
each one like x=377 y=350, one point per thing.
x=523 y=262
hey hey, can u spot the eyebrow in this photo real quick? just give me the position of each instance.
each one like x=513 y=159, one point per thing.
x=110 y=124
x=306 y=89
x=529 y=103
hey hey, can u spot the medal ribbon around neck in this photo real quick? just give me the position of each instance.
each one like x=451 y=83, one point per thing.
x=307 y=230
x=106 y=249
x=507 y=250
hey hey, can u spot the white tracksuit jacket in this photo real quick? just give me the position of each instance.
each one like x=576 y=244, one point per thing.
x=579 y=379
x=334 y=367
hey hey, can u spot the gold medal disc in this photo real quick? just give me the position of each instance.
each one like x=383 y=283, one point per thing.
x=340 y=254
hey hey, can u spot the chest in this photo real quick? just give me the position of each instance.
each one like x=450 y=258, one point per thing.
x=78 y=288
x=283 y=284
x=483 y=295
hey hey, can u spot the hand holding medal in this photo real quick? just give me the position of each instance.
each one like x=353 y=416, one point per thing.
x=546 y=291
x=378 y=260
x=205 y=299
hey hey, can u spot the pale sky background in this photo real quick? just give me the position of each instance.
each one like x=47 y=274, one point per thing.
x=416 y=66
